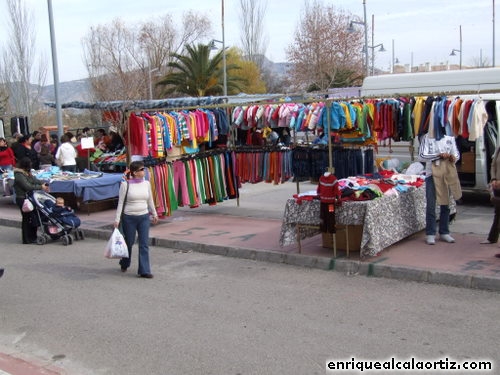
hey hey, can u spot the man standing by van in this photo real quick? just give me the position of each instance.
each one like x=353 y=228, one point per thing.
x=441 y=176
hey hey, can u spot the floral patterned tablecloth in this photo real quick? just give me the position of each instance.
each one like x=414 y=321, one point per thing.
x=385 y=220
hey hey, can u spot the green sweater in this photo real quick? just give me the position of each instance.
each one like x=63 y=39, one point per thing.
x=25 y=182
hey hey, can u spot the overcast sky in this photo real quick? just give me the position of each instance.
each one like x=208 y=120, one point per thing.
x=426 y=29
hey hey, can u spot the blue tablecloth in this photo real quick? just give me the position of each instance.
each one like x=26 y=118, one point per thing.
x=92 y=189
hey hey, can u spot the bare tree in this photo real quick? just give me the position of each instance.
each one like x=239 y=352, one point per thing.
x=324 y=54
x=113 y=58
x=253 y=39
x=120 y=59
x=22 y=76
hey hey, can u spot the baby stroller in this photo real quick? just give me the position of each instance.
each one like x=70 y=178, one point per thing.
x=53 y=225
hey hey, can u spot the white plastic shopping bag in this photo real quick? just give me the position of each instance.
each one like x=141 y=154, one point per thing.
x=27 y=206
x=116 y=246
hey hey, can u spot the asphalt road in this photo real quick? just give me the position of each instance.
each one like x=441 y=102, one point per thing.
x=207 y=314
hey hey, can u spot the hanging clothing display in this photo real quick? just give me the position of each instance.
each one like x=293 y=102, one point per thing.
x=310 y=163
x=205 y=178
x=160 y=134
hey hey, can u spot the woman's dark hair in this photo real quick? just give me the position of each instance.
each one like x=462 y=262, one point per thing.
x=44 y=149
x=24 y=163
x=135 y=166
x=64 y=138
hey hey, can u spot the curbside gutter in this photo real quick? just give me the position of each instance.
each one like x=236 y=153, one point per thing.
x=346 y=266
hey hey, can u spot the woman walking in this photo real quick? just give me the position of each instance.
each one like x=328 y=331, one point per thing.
x=135 y=204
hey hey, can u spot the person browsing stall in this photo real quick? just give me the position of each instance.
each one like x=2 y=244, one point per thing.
x=441 y=177
x=66 y=154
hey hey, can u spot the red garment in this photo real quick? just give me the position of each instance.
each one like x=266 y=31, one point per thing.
x=138 y=139
x=328 y=189
x=83 y=153
x=7 y=157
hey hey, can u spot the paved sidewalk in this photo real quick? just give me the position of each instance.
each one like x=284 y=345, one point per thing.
x=251 y=230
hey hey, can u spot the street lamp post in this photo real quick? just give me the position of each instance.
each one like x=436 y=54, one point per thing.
x=394 y=60
x=382 y=49
x=458 y=50
x=351 y=28
x=373 y=46
x=224 y=72
x=493 y=62
x=224 y=50
x=60 y=127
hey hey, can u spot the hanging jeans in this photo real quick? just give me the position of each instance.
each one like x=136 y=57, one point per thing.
x=140 y=224
x=430 y=211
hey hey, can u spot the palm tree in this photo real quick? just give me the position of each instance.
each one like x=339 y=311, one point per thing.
x=196 y=74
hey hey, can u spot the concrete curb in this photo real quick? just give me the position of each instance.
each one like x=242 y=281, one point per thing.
x=346 y=266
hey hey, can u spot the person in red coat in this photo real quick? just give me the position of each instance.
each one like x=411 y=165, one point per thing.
x=329 y=196
x=7 y=158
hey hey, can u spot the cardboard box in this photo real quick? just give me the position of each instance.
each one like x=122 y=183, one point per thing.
x=467 y=163
x=355 y=232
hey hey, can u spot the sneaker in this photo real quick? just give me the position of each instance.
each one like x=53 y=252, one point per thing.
x=446 y=238
x=486 y=242
x=430 y=240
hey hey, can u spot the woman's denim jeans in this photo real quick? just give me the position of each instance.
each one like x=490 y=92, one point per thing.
x=430 y=211
x=140 y=224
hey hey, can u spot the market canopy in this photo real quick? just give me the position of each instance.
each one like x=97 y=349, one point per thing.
x=131 y=105
x=124 y=105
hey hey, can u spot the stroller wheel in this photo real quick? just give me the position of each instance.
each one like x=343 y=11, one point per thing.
x=41 y=240
x=66 y=240
x=80 y=234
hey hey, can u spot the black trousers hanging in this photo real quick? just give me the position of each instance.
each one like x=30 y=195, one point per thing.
x=327 y=216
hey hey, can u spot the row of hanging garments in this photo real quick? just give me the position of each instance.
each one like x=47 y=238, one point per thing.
x=205 y=178
x=311 y=163
x=175 y=132
x=343 y=116
x=401 y=119
x=450 y=116
x=264 y=165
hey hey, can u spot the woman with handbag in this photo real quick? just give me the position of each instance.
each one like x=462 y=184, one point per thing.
x=495 y=199
x=135 y=204
x=24 y=183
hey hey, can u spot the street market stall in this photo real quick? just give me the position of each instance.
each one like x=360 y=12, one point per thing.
x=385 y=220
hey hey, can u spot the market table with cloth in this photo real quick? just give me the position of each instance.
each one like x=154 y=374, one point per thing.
x=385 y=220
x=86 y=187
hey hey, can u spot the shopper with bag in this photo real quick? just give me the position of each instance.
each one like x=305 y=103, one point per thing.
x=24 y=183
x=441 y=178
x=135 y=204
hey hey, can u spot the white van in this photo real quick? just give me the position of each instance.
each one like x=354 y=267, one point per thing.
x=474 y=167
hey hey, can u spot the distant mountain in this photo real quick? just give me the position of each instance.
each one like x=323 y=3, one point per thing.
x=79 y=90
x=69 y=91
